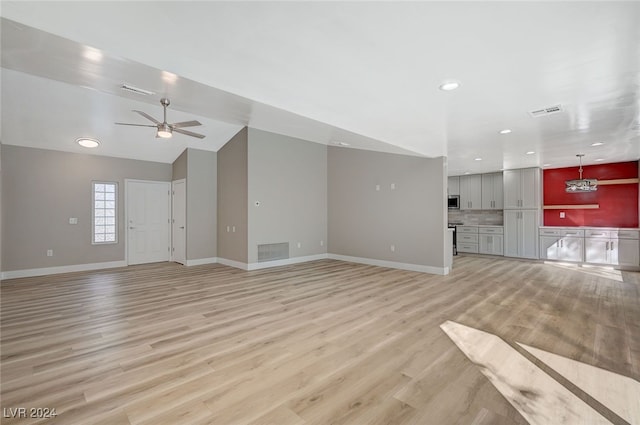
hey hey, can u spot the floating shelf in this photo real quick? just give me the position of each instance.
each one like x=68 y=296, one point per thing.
x=572 y=207
x=617 y=181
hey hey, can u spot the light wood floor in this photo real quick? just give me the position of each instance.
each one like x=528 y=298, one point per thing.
x=325 y=342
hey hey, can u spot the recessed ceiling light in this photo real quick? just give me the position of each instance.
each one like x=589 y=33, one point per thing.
x=599 y=159
x=597 y=144
x=85 y=142
x=342 y=144
x=467 y=172
x=478 y=159
x=546 y=165
x=505 y=131
x=530 y=153
x=449 y=85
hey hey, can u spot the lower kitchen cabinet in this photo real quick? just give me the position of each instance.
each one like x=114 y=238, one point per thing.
x=615 y=247
x=490 y=244
x=564 y=244
x=490 y=240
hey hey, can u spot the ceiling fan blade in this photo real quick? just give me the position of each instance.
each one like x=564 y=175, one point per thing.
x=136 y=125
x=189 y=133
x=147 y=116
x=185 y=124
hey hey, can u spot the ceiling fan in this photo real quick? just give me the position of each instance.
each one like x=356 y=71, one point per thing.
x=164 y=129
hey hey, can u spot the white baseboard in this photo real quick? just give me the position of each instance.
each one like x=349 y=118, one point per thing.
x=14 y=274
x=233 y=263
x=287 y=262
x=201 y=261
x=392 y=264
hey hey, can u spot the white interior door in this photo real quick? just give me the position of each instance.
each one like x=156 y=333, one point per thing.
x=148 y=205
x=179 y=221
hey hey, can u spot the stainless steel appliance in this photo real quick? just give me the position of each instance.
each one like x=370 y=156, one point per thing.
x=453 y=226
x=454 y=202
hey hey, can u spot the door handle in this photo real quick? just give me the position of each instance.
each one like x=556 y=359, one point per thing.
x=182 y=227
x=607 y=247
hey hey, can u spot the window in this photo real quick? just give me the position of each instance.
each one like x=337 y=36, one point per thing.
x=105 y=213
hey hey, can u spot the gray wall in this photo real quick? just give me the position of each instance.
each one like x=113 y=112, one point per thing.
x=232 y=198
x=364 y=222
x=180 y=166
x=288 y=177
x=201 y=204
x=42 y=189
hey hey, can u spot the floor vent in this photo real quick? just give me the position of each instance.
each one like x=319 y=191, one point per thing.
x=546 y=111
x=273 y=251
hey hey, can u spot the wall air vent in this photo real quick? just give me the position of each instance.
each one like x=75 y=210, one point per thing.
x=273 y=251
x=136 y=90
x=546 y=111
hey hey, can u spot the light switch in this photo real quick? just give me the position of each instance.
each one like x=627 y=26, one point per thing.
x=377 y=188
x=393 y=186
x=561 y=214
x=73 y=220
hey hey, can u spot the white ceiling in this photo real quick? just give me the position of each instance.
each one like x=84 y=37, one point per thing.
x=362 y=72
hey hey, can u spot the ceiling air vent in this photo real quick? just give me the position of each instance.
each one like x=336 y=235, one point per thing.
x=546 y=111
x=136 y=90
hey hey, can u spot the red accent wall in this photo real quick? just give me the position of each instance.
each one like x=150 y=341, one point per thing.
x=618 y=203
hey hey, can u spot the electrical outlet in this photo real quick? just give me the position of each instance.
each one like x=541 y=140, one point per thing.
x=393 y=186
x=299 y=245
x=228 y=229
x=49 y=252
x=73 y=220
x=321 y=243
x=392 y=248
x=233 y=229
x=377 y=188
x=562 y=214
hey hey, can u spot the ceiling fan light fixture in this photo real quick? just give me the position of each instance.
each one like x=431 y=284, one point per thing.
x=164 y=131
x=86 y=142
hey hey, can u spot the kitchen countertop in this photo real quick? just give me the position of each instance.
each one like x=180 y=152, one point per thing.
x=589 y=227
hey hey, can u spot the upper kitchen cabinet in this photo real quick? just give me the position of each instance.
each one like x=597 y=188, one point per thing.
x=492 y=191
x=471 y=192
x=522 y=188
x=453 y=186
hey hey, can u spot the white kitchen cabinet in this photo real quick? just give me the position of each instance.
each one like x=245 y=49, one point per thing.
x=628 y=252
x=522 y=188
x=467 y=239
x=492 y=191
x=521 y=233
x=565 y=249
x=615 y=247
x=491 y=240
x=471 y=192
x=564 y=244
x=453 y=186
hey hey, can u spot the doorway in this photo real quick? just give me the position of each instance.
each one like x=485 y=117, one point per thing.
x=148 y=206
x=178 y=226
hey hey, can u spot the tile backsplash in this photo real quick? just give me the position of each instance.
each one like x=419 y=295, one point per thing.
x=474 y=217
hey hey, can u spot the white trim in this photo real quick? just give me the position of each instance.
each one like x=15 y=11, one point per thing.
x=286 y=262
x=233 y=263
x=14 y=274
x=172 y=222
x=126 y=214
x=201 y=261
x=392 y=264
